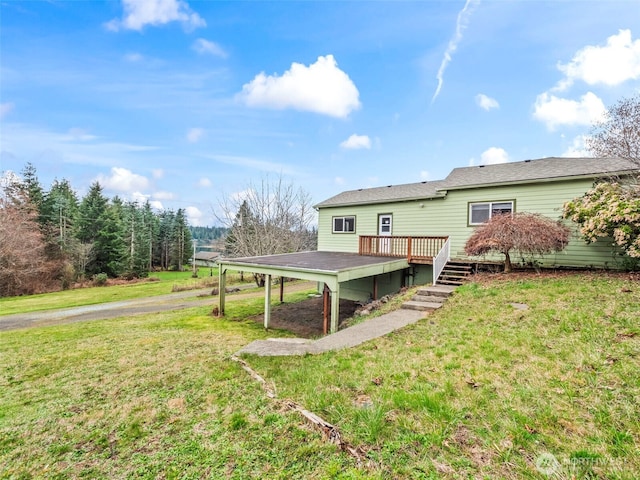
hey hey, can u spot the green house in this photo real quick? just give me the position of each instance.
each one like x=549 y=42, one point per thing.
x=383 y=220
x=373 y=241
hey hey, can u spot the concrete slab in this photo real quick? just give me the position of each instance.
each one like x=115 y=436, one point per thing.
x=422 y=306
x=437 y=290
x=349 y=337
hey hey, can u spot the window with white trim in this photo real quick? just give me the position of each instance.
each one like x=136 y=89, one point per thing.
x=344 y=224
x=482 y=212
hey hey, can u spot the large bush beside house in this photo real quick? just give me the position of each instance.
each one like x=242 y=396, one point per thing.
x=525 y=233
x=609 y=210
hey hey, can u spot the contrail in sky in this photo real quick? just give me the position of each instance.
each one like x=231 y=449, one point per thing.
x=461 y=24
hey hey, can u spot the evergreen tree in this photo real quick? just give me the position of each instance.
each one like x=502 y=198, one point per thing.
x=100 y=224
x=151 y=227
x=165 y=240
x=182 y=249
x=135 y=240
x=33 y=190
x=60 y=209
x=91 y=212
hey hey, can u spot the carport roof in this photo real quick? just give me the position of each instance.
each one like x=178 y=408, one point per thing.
x=318 y=265
x=330 y=268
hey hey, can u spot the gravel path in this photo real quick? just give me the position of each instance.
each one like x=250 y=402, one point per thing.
x=162 y=303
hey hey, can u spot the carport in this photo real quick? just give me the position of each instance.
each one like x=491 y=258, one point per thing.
x=328 y=268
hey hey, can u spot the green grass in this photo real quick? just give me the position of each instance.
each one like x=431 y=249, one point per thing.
x=160 y=283
x=478 y=389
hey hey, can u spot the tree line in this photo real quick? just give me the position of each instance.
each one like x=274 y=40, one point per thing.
x=51 y=238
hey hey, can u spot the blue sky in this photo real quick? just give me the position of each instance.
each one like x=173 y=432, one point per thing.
x=185 y=102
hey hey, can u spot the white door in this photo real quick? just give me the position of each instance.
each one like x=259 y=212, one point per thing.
x=385 y=223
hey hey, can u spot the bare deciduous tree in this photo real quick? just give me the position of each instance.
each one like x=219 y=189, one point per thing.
x=618 y=134
x=266 y=219
x=24 y=267
x=526 y=233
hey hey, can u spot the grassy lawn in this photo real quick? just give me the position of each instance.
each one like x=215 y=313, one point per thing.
x=160 y=283
x=479 y=389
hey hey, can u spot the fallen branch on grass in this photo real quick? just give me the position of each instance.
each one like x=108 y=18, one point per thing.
x=329 y=431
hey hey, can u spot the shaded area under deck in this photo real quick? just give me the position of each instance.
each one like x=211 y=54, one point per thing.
x=328 y=268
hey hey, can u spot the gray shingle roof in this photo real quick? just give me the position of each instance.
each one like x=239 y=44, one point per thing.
x=528 y=171
x=553 y=168
x=409 y=191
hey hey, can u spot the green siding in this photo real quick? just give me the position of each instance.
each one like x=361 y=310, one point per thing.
x=449 y=217
x=362 y=288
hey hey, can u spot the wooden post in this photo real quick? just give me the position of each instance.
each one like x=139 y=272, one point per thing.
x=267 y=301
x=325 y=309
x=222 y=284
x=375 y=287
x=335 y=309
x=281 y=289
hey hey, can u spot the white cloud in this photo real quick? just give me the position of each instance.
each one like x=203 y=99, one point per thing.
x=491 y=156
x=612 y=64
x=204 y=182
x=195 y=216
x=424 y=175
x=81 y=134
x=356 y=142
x=157 y=173
x=5 y=109
x=461 y=23
x=494 y=155
x=203 y=47
x=321 y=88
x=138 y=13
x=485 y=102
x=194 y=135
x=339 y=181
x=74 y=146
x=252 y=163
x=139 y=198
x=123 y=180
x=577 y=148
x=133 y=57
x=161 y=195
x=554 y=111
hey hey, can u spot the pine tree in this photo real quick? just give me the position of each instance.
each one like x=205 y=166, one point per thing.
x=182 y=250
x=100 y=224
x=60 y=209
x=135 y=239
x=33 y=190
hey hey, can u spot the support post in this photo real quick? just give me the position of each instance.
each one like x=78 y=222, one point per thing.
x=281 y=289
x=375 y=287
x=222 y=285
x=335 y=309
x=325 y=309
x=267 y=300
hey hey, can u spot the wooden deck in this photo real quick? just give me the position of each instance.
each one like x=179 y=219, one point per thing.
x=415 y=249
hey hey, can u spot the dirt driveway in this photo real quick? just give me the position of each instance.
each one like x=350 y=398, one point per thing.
x=164 y=303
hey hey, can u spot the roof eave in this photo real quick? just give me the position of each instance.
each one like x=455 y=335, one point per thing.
x=378 y=202
x=542 y=179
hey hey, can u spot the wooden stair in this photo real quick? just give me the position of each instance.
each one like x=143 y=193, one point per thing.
x=454 y=273
x=428 y=299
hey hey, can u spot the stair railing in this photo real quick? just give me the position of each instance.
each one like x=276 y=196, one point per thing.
x=440 y=260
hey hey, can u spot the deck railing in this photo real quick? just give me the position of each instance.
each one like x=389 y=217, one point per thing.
x=415 y=249
x=440 y=260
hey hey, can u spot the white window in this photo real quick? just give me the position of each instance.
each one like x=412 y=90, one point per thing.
x=344 y=224
x=480 y=213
